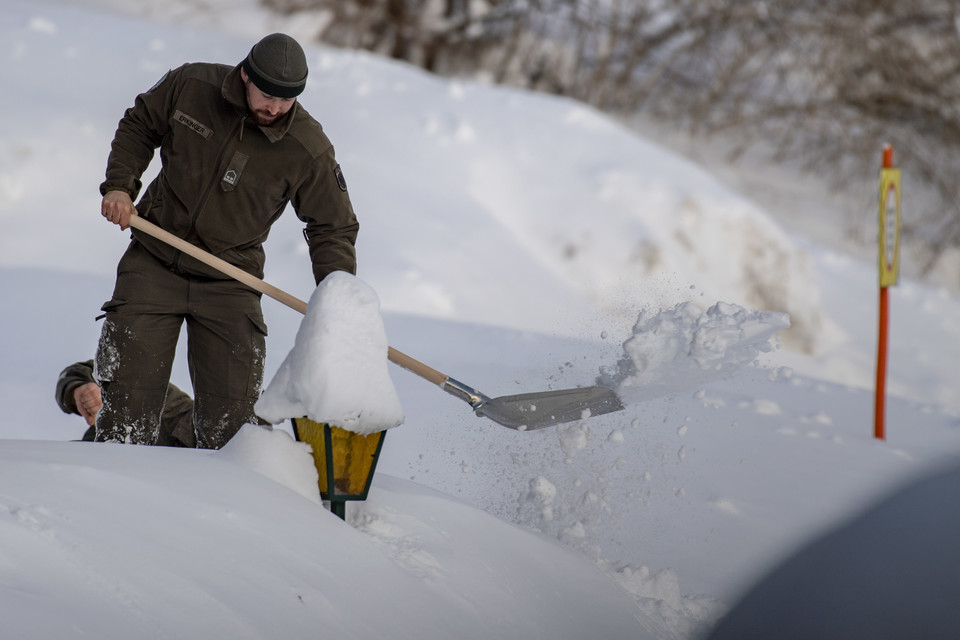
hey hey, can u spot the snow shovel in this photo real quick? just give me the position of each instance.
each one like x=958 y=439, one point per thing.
x=525 y=411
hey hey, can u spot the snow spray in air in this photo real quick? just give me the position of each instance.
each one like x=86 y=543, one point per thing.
x=674 y=349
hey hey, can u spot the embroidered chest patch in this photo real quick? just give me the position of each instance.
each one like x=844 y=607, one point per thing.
x=193 y=125
x=234 y=171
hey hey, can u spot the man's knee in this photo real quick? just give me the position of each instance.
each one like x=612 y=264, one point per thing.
x=218 y=419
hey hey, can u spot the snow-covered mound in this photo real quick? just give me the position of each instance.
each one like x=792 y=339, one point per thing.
x=336 y=372
x=118 y=542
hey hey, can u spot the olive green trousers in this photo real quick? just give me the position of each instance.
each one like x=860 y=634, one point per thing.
x=226 y=346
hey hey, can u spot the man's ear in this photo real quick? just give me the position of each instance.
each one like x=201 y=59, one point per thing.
x=243 y=75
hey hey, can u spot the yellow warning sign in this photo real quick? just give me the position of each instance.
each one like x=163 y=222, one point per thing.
x=889 y=238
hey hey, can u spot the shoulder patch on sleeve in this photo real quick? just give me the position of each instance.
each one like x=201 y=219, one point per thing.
x=341 y=182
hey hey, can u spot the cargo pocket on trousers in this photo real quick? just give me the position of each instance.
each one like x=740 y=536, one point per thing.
x=107 y=358
x=258 y=353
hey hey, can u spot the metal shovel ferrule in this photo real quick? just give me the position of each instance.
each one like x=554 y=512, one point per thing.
x=465 y=392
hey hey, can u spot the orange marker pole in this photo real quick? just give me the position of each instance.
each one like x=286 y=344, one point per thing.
x=889 y=250
x=879 y=410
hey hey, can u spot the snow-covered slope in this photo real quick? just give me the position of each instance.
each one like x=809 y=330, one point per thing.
x=514 y=241
x=123 y=544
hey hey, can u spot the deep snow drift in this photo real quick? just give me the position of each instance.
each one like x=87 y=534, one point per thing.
x=518 y=242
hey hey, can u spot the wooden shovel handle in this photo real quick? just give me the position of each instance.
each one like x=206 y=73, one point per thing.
x=397 y=357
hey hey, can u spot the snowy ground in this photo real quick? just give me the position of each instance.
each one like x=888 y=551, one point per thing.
x=516 y=242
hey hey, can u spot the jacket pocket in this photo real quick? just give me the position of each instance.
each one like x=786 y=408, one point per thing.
x=111 y=305
x=231 y=176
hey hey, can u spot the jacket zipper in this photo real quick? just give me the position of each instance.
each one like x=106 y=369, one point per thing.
x=211 y=183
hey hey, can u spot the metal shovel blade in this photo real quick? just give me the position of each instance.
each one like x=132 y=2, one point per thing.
x=528 y=411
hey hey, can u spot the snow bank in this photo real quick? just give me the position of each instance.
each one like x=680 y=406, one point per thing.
x=634 y=224
x=337 y=370
x=276 y=455
x=114 y=541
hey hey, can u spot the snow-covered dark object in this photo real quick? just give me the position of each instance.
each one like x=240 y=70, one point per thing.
x=336 y=372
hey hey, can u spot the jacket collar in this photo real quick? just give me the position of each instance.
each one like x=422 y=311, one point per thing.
x=234 y=92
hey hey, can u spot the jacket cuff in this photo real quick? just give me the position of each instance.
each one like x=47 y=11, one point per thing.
x=131 y=186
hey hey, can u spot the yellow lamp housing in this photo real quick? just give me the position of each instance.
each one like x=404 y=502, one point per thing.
x=345 y=460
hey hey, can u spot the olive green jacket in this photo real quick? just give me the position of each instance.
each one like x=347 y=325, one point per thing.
x=225 y=180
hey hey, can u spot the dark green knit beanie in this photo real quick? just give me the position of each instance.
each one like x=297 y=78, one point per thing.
x=277 y=66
